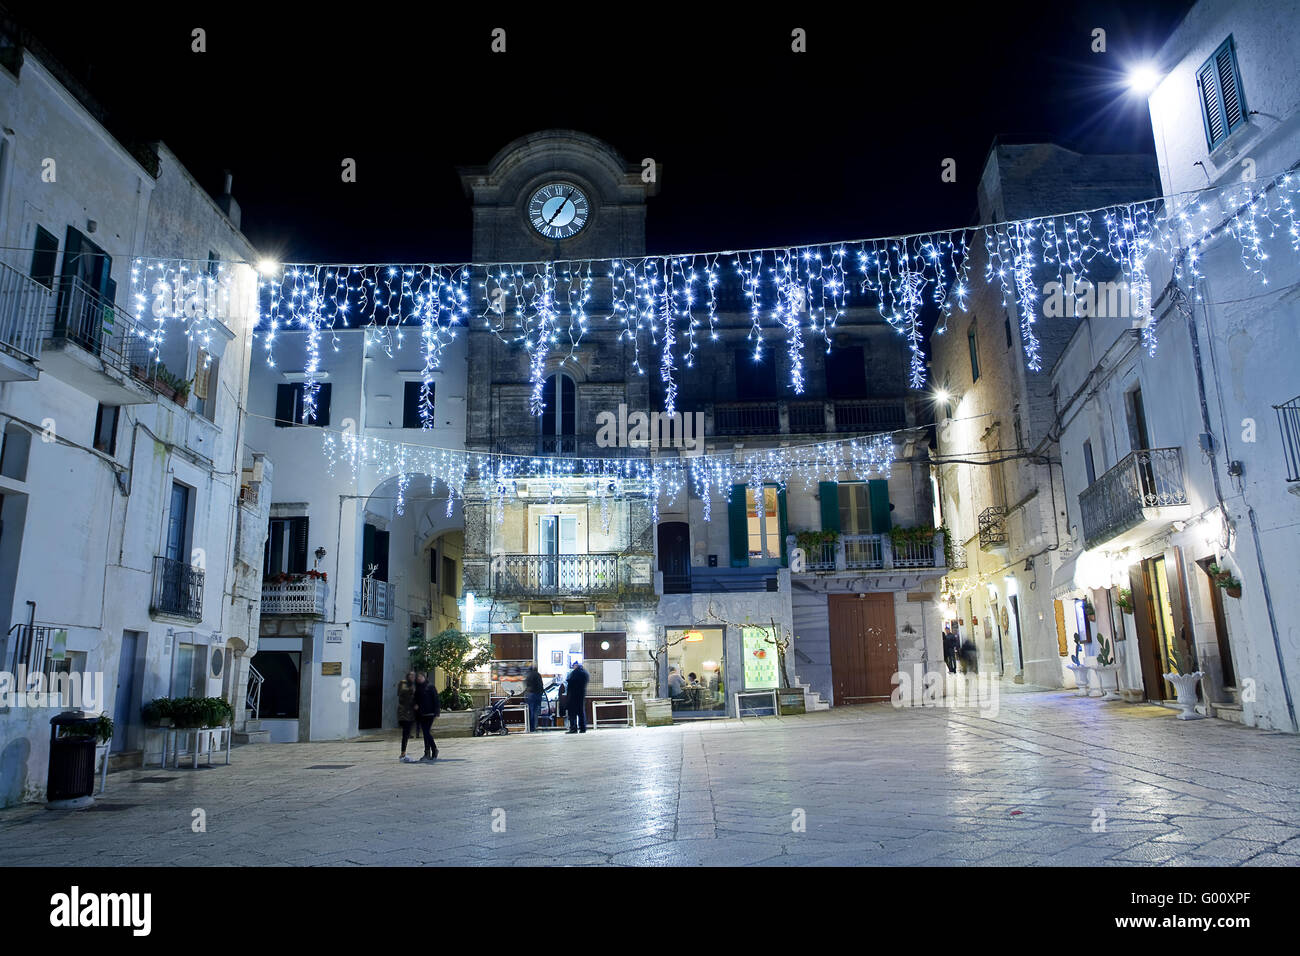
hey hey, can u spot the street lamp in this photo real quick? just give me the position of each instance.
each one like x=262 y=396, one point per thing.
x=1143 y=78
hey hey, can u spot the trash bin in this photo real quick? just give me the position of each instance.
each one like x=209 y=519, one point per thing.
x=71 y=780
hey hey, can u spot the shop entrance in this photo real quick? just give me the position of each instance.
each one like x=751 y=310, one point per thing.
x=1161 y=622
x=370 y=697
x=864 y=647
x=696 y=682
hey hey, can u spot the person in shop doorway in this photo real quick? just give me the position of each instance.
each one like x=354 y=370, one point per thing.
x=533 y=695
x=427 y=710
x=950 y=647
x=575 y=705
x=406 y=710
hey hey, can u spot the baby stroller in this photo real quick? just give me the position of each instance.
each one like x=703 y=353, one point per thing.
x=493 y=719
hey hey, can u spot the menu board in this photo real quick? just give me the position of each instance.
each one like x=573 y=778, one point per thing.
x=760 y=659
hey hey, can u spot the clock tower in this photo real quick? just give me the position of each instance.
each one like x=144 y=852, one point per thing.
x=555 y=195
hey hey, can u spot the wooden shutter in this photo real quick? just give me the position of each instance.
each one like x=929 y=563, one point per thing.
x=284 y=395
x=381 y=554
x=780 y=524
x=1223 y=105
x=512 y=646
x=202 y=373
x=298 y=545
x=879 y=491
x=829 y=493
x=591 y=649
x=738 y=525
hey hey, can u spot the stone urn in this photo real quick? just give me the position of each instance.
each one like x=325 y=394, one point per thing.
x=1113 y=671
x=1081 y=680
x=1185 y=684
x=638 y=690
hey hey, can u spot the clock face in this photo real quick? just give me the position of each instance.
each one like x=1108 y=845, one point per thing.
x=558 y=210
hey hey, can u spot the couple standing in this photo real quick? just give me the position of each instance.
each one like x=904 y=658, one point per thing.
x=417 y=700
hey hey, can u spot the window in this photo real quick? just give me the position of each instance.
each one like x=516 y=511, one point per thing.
x=973 y=342
x=1006 y=326
x=286 y=546
x=846 y=372
x=411 y=404
x=764 y=525
x=855 y=508
x=559 y=418
x=206 y=379
x=190 y=678
x=449 y=576
x=178 y=520
x=755 y=381
x=1088 y=465
x=1223 y=105
x=106 y=429
x=289 y=405
x=44 y=255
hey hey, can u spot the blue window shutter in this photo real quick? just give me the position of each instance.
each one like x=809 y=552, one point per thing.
x=1223 y=103
x=879 y=491
x=738 y=523
x=829 y=493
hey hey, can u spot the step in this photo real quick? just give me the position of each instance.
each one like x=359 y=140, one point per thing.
x=125 y=760
x=252 y=726
x=1229 y=711
x=251 y=737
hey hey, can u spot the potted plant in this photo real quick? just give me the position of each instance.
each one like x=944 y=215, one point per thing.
x=1224 y=579
x=1106 y=662
x=456 y=654
x=1185 y=684
x=157 y=713
x=1089 y=611
x=1125 y=601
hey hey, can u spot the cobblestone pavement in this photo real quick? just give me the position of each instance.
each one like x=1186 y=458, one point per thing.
x=1052 y=779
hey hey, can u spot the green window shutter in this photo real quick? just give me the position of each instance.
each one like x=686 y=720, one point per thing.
x=739 y=525
x=829 y=492
x=879 y=490
x=780 y=514
x=367 y=548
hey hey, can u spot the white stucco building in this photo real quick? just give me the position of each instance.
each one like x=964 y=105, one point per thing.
x=128 y=553
x=1178 y=462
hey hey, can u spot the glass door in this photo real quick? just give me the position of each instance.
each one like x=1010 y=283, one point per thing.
x=1166 y=636
x=764 y=526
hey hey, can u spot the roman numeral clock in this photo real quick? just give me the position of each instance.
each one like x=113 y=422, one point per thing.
x=558 y=210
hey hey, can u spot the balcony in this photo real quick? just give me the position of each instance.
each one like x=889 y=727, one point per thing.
x=805 y=417
x=552 y=575
x=305 y=596
x=24 y=303
x=993 y=528
x=1133 y=500
x=377 y=599
x=177 y=589
x=872 y=552
x=1288 y=421
x=959 y=560
x=97 y=346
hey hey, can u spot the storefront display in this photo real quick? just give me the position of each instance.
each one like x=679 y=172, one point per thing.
x=761 y=671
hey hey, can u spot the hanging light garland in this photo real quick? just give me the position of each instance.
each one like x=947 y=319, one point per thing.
x=661 y=304
x=497 y=477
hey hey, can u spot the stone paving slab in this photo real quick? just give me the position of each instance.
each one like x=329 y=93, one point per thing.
x=1047 y=779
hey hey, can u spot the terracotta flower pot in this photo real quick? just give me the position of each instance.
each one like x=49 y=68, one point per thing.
x=1233 y=592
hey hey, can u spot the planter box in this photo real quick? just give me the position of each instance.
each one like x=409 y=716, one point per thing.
x=791 y=700
x=450 y=723
x=658 y=712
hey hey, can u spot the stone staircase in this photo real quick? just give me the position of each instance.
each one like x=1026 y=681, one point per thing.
x=1229 y=709
x=252 y=733
x=811 y=699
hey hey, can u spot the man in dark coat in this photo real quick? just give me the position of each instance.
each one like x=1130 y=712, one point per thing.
x=575 y=705
x=533 y=695
x=427 y=710
x=950 y=646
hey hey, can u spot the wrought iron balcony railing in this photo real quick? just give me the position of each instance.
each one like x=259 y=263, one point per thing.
x=26 y=648
x=527 y=575
x=747 y=418
x=302 y=596
x=1288 y=420
x=872 y=552
x=864 y=552
x=1117 y=501
x=870 y=415
x=377 y=599
x=177 y=589
x=100 y=327
x=24 y=303
x=993 y=528
x=958 y=557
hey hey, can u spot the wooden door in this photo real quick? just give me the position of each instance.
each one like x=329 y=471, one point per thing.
x=371 y=699
x=1153 y=684
x=864 y=647
x=675 y=556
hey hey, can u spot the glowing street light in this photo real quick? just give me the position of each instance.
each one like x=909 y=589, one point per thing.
x=1143 y=78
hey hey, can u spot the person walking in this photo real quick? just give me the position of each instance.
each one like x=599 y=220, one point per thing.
x=969 y=657
x=406 y=710
x=533 y=695
x=427 y=710
x=575 y=703
x=950 y=647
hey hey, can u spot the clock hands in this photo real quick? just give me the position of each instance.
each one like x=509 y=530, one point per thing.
x=560 y=208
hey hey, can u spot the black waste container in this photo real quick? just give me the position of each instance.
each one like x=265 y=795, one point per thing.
x=71 y=780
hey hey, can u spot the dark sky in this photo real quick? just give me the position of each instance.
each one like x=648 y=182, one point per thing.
x=759 y=146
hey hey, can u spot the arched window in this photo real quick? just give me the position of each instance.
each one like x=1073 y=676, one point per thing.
x=559 y=417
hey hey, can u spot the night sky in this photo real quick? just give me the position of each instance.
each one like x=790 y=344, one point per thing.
x=758 y=146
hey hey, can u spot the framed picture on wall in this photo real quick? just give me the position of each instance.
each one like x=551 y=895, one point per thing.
x=557 y=657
